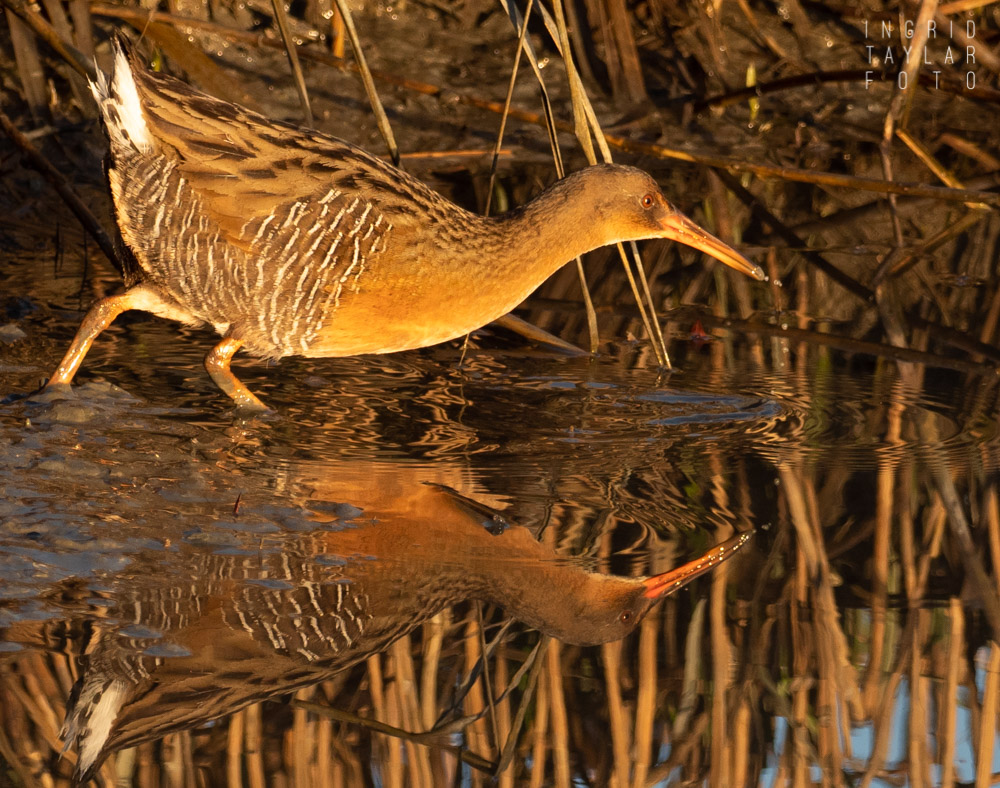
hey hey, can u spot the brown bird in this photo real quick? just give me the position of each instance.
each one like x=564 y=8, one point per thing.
x=291 y=242
x=317 y=602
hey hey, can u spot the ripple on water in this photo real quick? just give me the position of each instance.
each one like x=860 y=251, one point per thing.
x=591 y=438
x=850 y=419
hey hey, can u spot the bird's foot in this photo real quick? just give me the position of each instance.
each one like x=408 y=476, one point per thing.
x=249 y=405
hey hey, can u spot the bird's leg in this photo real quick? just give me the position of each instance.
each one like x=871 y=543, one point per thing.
x=217 y=364
x=101 y=315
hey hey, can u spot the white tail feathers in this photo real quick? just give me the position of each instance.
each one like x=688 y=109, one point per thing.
x=120 y=105
x=91 y=720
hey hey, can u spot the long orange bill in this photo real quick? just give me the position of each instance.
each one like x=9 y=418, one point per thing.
x=663 y=585
x=679 y=228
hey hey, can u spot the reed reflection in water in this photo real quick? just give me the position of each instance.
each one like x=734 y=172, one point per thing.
x=218 y=632
x=849 y=643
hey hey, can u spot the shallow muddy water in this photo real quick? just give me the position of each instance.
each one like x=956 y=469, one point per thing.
x=429 y=568
x=207 y=577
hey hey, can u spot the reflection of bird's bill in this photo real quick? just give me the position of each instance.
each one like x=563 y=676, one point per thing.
x=668 y=582
x=679 y=228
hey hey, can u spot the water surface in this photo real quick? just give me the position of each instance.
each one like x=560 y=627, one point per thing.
x=204 y=575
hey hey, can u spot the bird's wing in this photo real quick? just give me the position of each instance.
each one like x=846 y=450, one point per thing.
x=245 y=168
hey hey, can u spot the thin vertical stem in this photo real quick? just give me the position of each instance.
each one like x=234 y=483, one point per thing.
x=611 y=656
x=988 y=720
x=254 y=754
x=369 y=83
x=506 y=778
x=506 y=105
x=645 y=707
x=557 y=715
x=538 y=746
x=719 y=774
x=949 y=704
x=234 y=750
x=474 y=702
x=281 y=17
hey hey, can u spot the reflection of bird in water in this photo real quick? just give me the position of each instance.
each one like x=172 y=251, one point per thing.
x=258 y=624
x=290 y=242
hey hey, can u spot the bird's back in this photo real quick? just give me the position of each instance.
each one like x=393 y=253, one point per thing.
x=263 y=230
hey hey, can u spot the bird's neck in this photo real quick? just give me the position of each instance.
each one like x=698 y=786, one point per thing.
x=555 y=227
x=522 y=248
x=537 y=586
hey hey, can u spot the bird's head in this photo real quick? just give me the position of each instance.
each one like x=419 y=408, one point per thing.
x=634 y=205
x=603 y=608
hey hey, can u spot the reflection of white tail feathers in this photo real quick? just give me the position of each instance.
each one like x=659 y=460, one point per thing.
x=89 y=720
x=120 y=105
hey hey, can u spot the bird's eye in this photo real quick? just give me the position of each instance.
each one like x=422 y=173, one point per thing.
x=647 y=201
x=626 y=616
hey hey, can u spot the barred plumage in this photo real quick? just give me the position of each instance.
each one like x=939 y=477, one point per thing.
x=245 y=628
x=291 y=242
